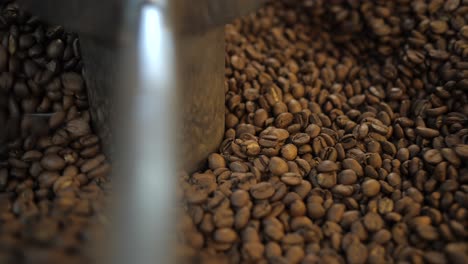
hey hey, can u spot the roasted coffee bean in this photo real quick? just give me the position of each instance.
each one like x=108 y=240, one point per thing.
x=370 y=187
x=327 y=166
x=462 y=151
x=278 y=166
x=289 y=151
x=291 y=178
x=326 y=179
x=433 y=156
x=216 y=161
x=72 y=82
x=356 y=253
x=225 y=235
x=55 y=49
x=52 y=162
x=92 y=163
x=263 y=190
x=347 y=177
x=373 y=222
x=78 y=127
x=240 y=198
x=353 y=165
x=315 y=210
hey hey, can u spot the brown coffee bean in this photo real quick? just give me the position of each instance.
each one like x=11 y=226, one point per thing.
x=427 y=232
x=239 y=198
x=385 y=205
x=90 y=152
x=370 y=187
x=225 y=235
x=101 y=171
x=289 y=151
x=373 y=222
x=335 y=213
x=216 y=161
x=313 y=130
x=223 y=218
x=55 y=49
x=356 y=253
x=272 y=249
x=52 y=162
x=237 y=62
x=374 y=160
x=261 y=209
x=241 y=218
x=315 y=210
x=47 y=178
x=252 y=251
x=303 y=188
x=72 y=81
x=439 y=26
x=326 y=179
x=432 y=156
x=278 y=166
x=283 y=120
x=291 y=178
x=78 y=127
x=263 y=190
x=297 y=208
x=427 y=132
x=462 y=151
x=347 y=177
x=354 y=166
x=327 y=166
x=92 y=163
x=450 y=156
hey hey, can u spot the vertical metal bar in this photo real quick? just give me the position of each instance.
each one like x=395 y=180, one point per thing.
x=145 y=175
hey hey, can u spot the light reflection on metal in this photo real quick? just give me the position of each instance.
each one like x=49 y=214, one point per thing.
x=150 y=190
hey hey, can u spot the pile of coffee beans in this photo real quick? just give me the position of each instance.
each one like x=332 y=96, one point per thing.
x=51 y=165
x=346 y=137
x=346 y=140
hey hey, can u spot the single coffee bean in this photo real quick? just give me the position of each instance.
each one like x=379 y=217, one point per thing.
x=216 y=161
x=315 y=210
x=263 y=190
x=225 y=235
x=291 y=178
x=78 y=128
x=347 y=177
x=289 y=151
x=370 y=187
x=326 y=179
x=55 y=49
x=52 y=162
x=373 y=222
x=427 y=232
x=433 y=156
x=92 y=163
x=335 y=213
x=278 y=166
x=356 y=253
x=353 y=165
x=327 y=166
x=252 y=251
x=72 y=81
x=239 y=198
x=427 y=132
x=462 y=151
